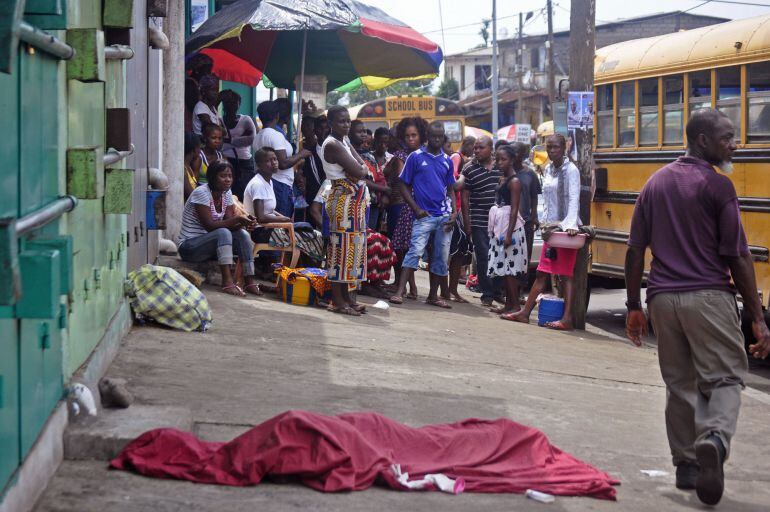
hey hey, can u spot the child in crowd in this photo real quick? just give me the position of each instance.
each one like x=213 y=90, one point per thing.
x=192 y=162
x=210 y=153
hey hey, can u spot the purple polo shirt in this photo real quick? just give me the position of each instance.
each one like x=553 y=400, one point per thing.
x=688 y=214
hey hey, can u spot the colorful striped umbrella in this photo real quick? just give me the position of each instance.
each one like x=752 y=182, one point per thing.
x=350 y=43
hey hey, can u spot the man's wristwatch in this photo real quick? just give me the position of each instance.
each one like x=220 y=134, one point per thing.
x=633 y=305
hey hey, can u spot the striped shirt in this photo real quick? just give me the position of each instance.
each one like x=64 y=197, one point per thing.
x=482 y=185
x=191 y=224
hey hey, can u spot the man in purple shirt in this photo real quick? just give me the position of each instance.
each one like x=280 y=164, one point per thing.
x=689 y=217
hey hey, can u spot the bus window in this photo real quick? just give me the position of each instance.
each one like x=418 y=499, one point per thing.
x=626 y=114
x=673 y=108
x=700 y=90
x=604 y=116
x=729 y=95
x=373 y=125
x=759 y=102
x=453 y=130
x=648 y=112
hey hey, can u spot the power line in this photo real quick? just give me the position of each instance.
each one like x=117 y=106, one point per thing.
x=533 y=11
x=751 y=4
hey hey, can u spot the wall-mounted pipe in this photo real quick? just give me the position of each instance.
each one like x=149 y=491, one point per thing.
x=45 y=41
x=158 y=39
x=46 y=214
x=118 y=52
x=113 y=156
x=157 y=179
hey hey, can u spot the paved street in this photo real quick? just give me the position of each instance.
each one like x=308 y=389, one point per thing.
x=596 y=397
x=606 y=311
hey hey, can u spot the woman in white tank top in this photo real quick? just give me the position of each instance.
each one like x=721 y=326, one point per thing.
x=346 y=208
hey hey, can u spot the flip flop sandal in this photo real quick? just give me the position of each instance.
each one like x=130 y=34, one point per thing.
x=253 y=289
x=558 y=326
x=234 y=290
x=438 y=303
x=396 y=299
x=411 y=296
x=359 y=307
x=513 y=318
x=347 y=310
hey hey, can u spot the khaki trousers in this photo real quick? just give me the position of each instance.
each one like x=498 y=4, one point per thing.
x=703 y=362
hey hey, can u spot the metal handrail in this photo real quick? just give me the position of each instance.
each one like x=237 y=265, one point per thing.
x=118 y=52
x=112 y=156
x=46 y=214
x=45 y=41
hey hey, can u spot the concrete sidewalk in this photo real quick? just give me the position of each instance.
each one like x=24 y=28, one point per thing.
x=597 y=398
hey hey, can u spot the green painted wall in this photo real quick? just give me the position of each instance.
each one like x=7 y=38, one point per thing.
x=44 y=115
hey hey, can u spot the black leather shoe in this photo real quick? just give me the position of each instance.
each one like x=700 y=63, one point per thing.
x=686 y=475
x=711 y=478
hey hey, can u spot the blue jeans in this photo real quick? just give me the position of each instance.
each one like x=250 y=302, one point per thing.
x=220 y=244
x=284 y=198
x=422 y=230
x=490 y=287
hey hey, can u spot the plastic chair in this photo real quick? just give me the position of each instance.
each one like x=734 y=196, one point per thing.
x=291 y=248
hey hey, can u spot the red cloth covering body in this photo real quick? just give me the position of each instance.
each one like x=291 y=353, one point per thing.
x=351 y=452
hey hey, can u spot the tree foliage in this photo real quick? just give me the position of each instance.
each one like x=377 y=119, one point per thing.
x=484 y=31
x=449 y=89
x=363 y=95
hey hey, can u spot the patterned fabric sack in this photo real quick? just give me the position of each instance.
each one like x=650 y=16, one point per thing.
x=163 y=295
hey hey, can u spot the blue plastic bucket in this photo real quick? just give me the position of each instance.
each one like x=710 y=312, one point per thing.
x=550 y=310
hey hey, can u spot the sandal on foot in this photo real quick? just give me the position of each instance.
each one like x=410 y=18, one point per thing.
x=397 y=299
x=234 y=290
x=411 y=296
x=438 y=303
x=347 y=310
x=558 y=325
x=253 y=289
x=501 y=310
x=359 y=307
x=514 y=317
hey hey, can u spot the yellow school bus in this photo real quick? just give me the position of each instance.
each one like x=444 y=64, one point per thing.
x=389 y=111
x=644 y=92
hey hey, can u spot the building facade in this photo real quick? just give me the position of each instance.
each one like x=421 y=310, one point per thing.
x=81 y=91
x=528 y=61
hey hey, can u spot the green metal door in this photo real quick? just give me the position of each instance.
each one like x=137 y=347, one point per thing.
x=9 y=335
x=40 y=370
x=9 y=399
x=30 y=331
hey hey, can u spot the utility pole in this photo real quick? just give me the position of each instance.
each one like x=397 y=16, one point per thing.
x=551 y=75
x=494 y=70
x=443 y=37
x=582 y=44
x=520 y=62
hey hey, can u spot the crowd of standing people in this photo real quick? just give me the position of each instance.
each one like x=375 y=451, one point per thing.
x=364 y=204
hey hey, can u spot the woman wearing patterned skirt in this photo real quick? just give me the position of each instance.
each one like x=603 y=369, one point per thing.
x=507 y=238
x=346 y=208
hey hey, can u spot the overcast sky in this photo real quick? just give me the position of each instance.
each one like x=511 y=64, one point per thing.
x=462 y=18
